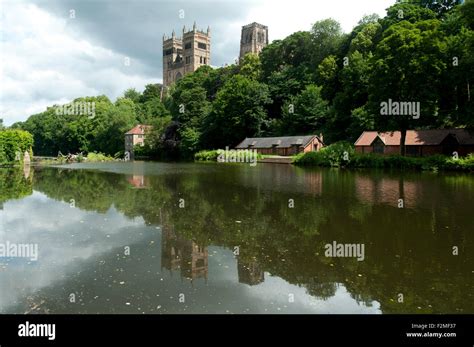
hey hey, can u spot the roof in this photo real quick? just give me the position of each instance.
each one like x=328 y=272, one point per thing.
x=416 y=137
x=140 y=129
x=278 y=142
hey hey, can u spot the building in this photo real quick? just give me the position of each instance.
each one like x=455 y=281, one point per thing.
x=183 y=255
x=135 y=136
x=250 y=272
x=284 y=146
x=182 y=55
x=418 y=142
x=253 y=39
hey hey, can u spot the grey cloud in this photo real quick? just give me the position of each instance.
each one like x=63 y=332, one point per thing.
x=135 y=28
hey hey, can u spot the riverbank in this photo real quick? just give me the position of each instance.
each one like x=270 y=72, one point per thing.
x=343 y=155
x=358 y=160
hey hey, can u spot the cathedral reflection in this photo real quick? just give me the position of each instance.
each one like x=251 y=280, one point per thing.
x=178 y=253
x=250 y=271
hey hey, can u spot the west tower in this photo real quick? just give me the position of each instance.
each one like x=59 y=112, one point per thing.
x=185 y=54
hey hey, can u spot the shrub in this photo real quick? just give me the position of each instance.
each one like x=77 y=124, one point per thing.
x=14 y=142
x=212 y=155
x=98 y=157
x=207 y=155
x=332 y=157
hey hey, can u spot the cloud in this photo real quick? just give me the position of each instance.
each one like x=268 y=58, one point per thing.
x=45 y=62
x=48 y=57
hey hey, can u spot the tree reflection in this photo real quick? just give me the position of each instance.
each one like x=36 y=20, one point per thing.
x=408 y=250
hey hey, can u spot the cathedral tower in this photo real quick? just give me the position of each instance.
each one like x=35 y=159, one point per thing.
x=185 y=54
x=254 y=37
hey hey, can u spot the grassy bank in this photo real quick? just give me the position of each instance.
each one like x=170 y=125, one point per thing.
x=89 y=158
x=213 y=155
x=343 y=155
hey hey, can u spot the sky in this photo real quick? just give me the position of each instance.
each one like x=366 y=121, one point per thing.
x=53 y=51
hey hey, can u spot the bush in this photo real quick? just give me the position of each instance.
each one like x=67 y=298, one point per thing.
x=331 y=156
x=94 y=157
x=14 y=142
x=212 y=155
x=207 y=155
x=337 y=154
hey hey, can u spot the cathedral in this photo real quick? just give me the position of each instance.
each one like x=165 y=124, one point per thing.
x=185 y=54
x=182 y=55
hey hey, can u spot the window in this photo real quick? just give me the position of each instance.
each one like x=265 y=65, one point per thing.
x=188 y=60
x=140 y=136
x=168 y=51
x=202 y=45
x=187 y=45
x=200 y=60
x=205 y=61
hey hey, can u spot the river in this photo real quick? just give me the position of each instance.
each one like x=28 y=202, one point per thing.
x=147 y=237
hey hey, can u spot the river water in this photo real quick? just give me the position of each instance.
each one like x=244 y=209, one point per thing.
x=146 y=237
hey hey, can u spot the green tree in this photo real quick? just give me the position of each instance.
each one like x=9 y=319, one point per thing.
x=238 y=112
x=408 y=65
x=326 y=38
x=133 y=95
x=438 y=6
x=305 y=113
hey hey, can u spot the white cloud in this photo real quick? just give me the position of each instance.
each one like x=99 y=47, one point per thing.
x=43 y=63
x=48 y=58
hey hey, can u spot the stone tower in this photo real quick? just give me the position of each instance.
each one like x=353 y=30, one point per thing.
x=254 y=38
x=182 y=55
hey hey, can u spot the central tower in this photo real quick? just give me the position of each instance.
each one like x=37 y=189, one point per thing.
x=182 y=55
x=254 y=37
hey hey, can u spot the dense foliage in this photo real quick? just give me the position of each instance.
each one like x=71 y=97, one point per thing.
x=13 y=145
x=343 y=155
x=316 y=81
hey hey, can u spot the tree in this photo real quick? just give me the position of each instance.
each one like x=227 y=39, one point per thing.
x=455 y=98
x=326 y=36
x=238 y=112
x=408 y=65
x=406 y=12
x=250 y=66
x=133 y=95
x=439 y=6
x=351 y=94
x=1 y=124
x=151 y=91
x=114 y=124
x=286 y=69
x=305 y=113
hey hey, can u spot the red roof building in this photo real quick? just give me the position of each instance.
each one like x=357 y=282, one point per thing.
x=136 y=136
x=418 y=142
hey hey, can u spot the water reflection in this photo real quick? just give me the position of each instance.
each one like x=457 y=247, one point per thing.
x=281 y=249
x=178 y=253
